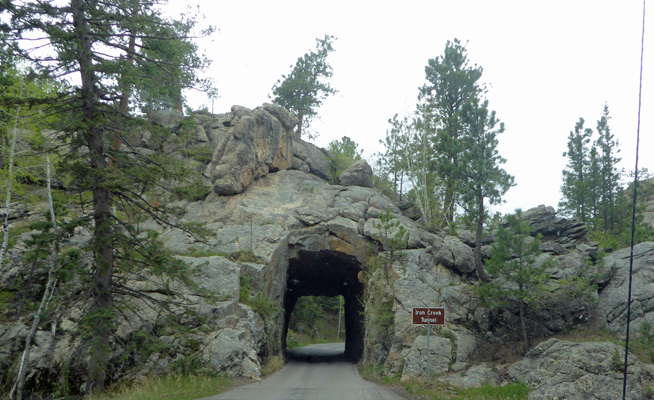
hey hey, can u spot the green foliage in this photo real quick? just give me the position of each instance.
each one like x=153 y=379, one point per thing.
x=245 y=289
x=513 y=258
x=202 y=154
x=591 y=189
x=178 y=387
x=511 y=391
x=262 y=305
x=575 y=188
x=305 y=315
x=393 y=238
x=303 y=90
x=617 y=361
x=647 y=338
x=393 y=162
x=440 y=391
x=315 y=320
x=342 y=154
x=196 y=191
x=384 y=317
x=452 y=83
x=513 y=261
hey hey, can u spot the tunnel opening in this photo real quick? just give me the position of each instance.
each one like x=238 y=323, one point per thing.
x=316 y=318
x=329 y=274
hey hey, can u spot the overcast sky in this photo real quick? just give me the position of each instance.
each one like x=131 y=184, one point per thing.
x=547 y=63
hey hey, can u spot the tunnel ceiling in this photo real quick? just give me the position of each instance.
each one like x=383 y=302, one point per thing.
x=322 y=273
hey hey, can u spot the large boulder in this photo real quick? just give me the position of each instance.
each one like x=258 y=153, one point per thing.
x=311 y=159
x=357 y=174
x=567 y=232
x=170 y=119
x=557 y=369
x=613 y=297
x=258 y=142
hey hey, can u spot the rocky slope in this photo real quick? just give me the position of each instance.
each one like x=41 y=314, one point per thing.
x=282 y=231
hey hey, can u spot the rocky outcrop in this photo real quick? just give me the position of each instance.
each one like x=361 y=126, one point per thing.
x=646 y=198
x=566 y=232
x=169 y=119
x=558 y=369
x=357 y=174
x=281 y=231
x=310 y=159
x=612 y=304
x=258 y=141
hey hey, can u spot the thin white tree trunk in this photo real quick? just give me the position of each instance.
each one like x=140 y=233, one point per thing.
x=18 y=387
x=10 y=181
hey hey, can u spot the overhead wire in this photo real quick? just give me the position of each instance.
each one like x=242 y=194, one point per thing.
x=633 y=213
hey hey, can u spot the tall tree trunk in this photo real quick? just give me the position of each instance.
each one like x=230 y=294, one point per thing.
x=449 y=203
x=47 y=295
x=523 y=325
x=10 y=182
x=479 y=266
x=100 y=314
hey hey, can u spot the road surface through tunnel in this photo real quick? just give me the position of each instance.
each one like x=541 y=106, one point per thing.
x=328 y=273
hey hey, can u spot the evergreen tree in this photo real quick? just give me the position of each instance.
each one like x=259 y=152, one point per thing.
x=574 y=190
x=513 y=259
x=452 y=83
x=303 y=90
x=83 y=38
x=394 y=157
x=482 y=177
x=610 y=175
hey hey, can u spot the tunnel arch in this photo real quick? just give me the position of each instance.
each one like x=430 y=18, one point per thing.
x=328 y=273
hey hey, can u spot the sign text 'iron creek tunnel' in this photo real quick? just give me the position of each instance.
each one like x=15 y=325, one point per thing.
x=428 y=316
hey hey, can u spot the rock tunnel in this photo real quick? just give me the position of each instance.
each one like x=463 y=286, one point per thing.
x=328 y=273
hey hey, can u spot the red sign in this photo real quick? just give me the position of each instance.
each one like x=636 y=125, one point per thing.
x=428 y=316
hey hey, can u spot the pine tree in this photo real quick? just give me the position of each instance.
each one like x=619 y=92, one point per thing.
x=482 y=177
x=394 y=156
x=574 y=190
x=452 y=83
x=610 y=175
x=303 y=90
x=86 y=39
x=513 y=259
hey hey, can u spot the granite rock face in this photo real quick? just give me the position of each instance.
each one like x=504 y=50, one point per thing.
x=258 y=141
x=612 y=303
x=277 y=223
x=357 y=174
x=558 y=369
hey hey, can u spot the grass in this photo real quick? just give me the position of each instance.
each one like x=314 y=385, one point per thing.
x=640 y=348
x=440 y=391
x=186 y=387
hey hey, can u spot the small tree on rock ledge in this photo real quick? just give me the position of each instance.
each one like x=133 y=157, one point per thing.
x=513 y=264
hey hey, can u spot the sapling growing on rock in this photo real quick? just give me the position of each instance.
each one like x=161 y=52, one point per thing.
x=518 y=277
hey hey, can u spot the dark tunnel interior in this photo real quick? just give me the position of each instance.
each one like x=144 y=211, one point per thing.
x=328 y=273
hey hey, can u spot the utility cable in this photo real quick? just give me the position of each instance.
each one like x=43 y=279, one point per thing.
x=633 y=213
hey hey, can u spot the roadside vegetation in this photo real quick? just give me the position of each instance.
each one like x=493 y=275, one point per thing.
x=315 y=319
x=172 y=387
x=440 y=391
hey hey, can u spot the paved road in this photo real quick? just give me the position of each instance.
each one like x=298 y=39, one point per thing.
x=316 y=372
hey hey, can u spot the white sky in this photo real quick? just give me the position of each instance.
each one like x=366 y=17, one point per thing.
x=547 y=63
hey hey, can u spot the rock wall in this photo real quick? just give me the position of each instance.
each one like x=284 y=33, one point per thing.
x=273 y=213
